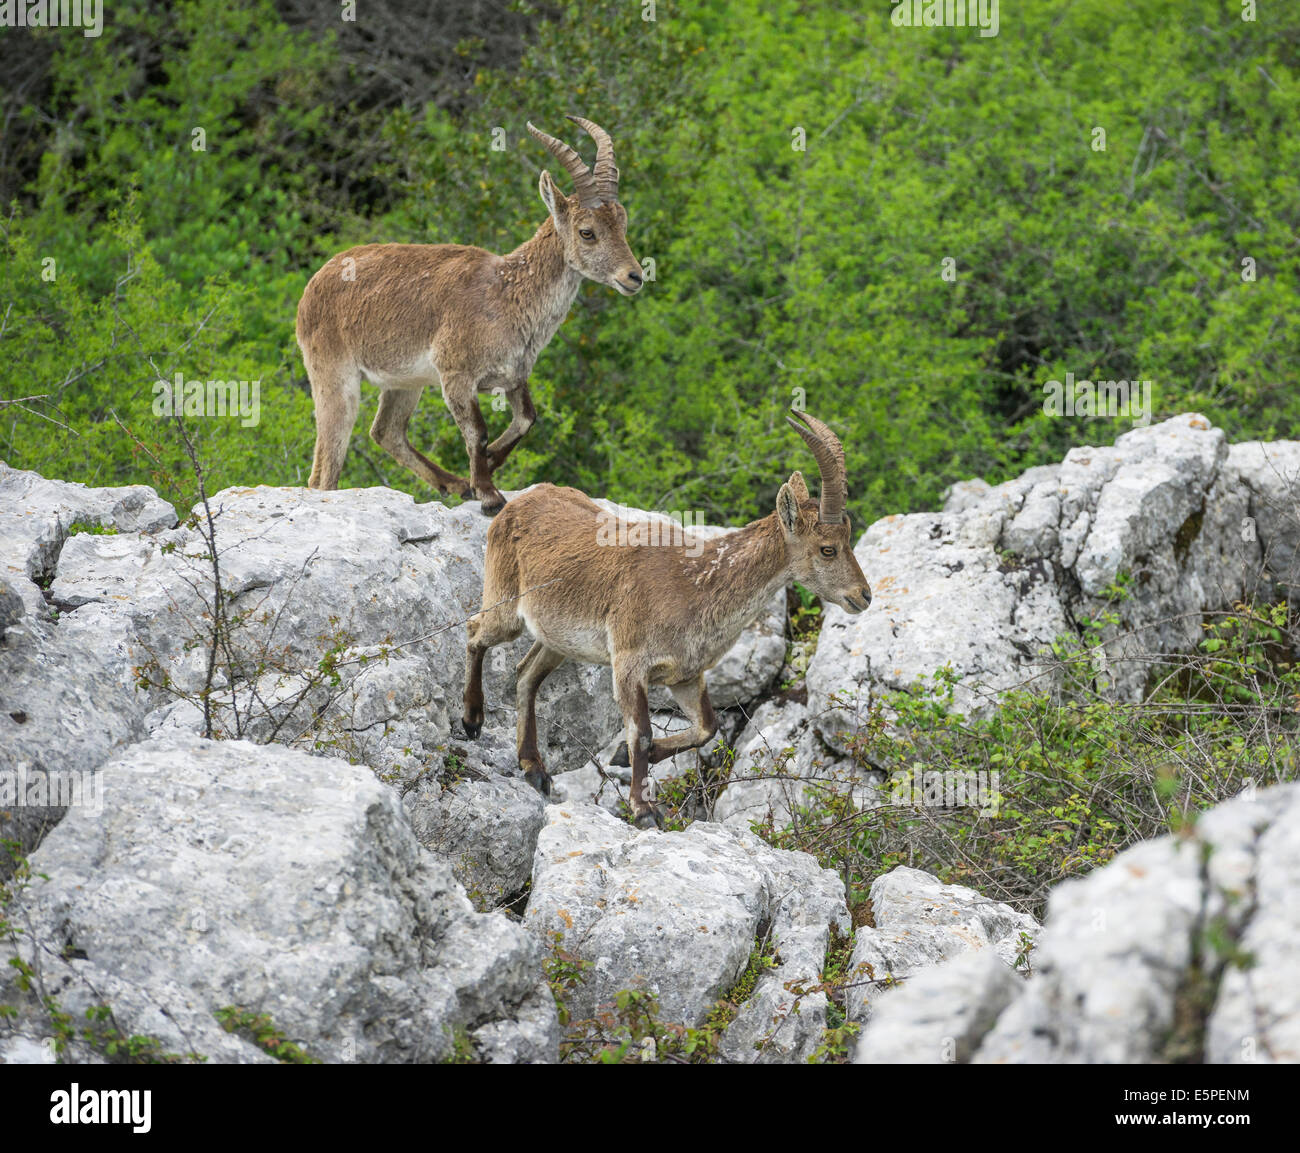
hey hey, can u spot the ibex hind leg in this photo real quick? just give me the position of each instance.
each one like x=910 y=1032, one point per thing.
x=486 y=630
x=533 y=670
x=336 y=395
x=389 y=431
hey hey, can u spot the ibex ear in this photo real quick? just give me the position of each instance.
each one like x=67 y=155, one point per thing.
x=787 y=507
x=800 y=489
x=552 y=197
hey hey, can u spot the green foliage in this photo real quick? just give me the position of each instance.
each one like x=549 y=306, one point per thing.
x=777 y=269
x=1024 y=952
x=462 y=1048
x=564 y=971
x=803 y=626
x=629 y=1030
x=1079 y=775
x=261 y=1030
x=100 y=1031
x=837 y=975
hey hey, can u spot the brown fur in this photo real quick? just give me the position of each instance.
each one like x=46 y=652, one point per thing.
x=450 y=315
x=656 y=614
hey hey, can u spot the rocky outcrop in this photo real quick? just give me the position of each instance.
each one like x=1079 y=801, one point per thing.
x=781 y=772
x=679 y=914
x=313 y=883
x=785 y=1017
x=347 y=638
x=1182 y=948
x=1270 y=474
x=920 y=922
x=220 y=874
x=64 y=705
x=484 y=827
x=37 y=516
x=1161 y=527
x=941 y=1015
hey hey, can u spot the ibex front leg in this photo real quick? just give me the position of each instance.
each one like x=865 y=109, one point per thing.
x=462 y=400
x=693 y=699
x=631 y=688
x=522 y=417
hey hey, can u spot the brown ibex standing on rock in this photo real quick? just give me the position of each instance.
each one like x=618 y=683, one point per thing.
x=409 y=315
x=659 y=615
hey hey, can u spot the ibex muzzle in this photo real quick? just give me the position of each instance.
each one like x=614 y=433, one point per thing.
x=659 y=615
x=407 y=316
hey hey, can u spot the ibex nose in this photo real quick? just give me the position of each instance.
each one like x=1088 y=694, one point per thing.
x=631 y=280
x=865 y=594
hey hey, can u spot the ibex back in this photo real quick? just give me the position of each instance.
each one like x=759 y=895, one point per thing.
x=659 y=615
x=409 y=315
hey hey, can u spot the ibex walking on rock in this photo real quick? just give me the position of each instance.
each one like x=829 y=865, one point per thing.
x=409 y=315
x=659 y=615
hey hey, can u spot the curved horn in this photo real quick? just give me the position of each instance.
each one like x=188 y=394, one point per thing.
x=830 y=462
x=605 y=171
x=583 y=181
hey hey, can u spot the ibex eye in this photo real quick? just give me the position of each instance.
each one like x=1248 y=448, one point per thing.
x=827 y=550
x=586 y=234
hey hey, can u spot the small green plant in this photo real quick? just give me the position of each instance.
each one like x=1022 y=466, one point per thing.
x=803 y=626
x=836 y=1042
x=564 y=971
x=453 y=767
x=100 y=1032
x=1025 y=948
x=462 y=1048
x=630 y=1029
x=631 y=1032
x=261 y=1030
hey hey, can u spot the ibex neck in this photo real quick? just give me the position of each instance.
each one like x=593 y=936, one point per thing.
x=741 y=572
x=539 y=284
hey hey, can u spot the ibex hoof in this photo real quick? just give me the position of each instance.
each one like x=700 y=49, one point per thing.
x=538 y=777
x=620 y=759
x=457 y=487
x=652 y=818
x=493 y=503
x=472 y=728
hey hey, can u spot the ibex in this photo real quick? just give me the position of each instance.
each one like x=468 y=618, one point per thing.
x=659 y=615
x=409 y=315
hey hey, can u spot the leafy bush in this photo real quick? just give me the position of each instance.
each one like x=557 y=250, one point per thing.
x=781 y=273
x=1079 y=775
